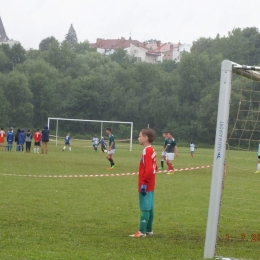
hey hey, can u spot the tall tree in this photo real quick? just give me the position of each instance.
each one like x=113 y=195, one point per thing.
x=71 y=36
x=45 y=43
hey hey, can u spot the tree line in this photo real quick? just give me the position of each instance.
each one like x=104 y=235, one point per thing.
x=70 y=79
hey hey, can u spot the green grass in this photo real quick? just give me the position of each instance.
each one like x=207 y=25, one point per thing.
x=91 y=218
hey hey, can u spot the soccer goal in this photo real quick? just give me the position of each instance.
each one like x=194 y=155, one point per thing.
x=86 y=129
x=233 y=229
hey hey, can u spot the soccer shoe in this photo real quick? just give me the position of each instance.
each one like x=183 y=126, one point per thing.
x=114 y=166
x=161 y=168
x=149 y=233
x=257 y=172
x=170 y=172
x=138 y=234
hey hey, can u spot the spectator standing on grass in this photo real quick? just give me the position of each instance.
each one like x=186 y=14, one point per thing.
x=28 y=141
x=45 y=139
x=2 y=138
x=21 y=140
x=16 y=139
x=37 y=141
x=10 y=139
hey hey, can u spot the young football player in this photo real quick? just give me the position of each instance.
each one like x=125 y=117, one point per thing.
x=37 y=141
x=67 y=142
x=171 y=149
x=95 y=141
x=146 y=183
x=111 y=148
x=2 y=138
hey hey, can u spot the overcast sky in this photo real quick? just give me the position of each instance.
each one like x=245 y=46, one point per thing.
x=30 y=21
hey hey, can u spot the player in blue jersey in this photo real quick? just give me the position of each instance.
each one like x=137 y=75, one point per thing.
x=103 y=145
x=258 y=162
x=67 y=142
x=95 y=141
x=10 y=139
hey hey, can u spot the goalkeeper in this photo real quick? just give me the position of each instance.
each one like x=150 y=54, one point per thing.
x=103 y=144
x=146 y=183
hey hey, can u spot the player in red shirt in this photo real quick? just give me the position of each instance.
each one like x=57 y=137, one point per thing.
x=146 y=183
x=2 y=138
x=37 y=141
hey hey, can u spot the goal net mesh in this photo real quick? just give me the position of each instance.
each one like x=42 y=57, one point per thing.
x=239 y=229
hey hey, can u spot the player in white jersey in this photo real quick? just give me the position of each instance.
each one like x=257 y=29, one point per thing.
x=192 y=147
x=95 y=142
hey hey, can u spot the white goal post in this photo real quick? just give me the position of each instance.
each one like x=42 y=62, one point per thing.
x=227 y=68
x=93 y=121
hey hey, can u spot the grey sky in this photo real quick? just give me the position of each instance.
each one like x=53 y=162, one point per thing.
x=30 y=21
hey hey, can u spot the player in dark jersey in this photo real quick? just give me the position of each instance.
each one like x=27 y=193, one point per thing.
x=111 y=148
x=171 y=149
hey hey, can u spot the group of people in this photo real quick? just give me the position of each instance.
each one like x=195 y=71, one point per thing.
x=21 y=139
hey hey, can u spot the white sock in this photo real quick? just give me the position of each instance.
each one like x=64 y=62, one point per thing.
x=38 y=150
x=64 y=147
x=70 y=149
x=258 y=166
x=34 y=150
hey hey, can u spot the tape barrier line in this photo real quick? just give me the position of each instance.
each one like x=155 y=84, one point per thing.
x=101 y=175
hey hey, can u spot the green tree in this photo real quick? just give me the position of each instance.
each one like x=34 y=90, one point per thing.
x=71 y=37
x=45 y=43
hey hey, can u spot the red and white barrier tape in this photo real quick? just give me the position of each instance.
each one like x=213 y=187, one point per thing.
x=101 y=175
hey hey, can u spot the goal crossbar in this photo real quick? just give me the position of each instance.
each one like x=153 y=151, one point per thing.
x=227 y=68
x=93 y=121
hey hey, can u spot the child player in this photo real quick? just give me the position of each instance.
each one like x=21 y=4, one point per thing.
x=258 y=162
x=111 y=148
x=163 y=156
x=95 y=141
x=10 y=139
x=2 y=138
x=37 y=141
x=192 y=148
x=146 y=183
x=103 y=145
x=170 y=148
x=67 y=142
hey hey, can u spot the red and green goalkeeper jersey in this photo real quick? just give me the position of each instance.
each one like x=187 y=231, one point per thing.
x=147 y=169
x=170 y=145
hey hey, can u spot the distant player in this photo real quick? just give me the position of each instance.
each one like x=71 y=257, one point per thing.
x=163 y=156
x=95 y=141
x=258 y=162
x=2 y=138
x=28 y=141
x=67 y=142
x=192 y=147
x=171 y=149
x=111 y=148
x=10 y=139
x=103 y=145
x=37 y=141
x=146 y=183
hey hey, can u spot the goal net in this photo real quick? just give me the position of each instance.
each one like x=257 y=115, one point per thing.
x=82 y=131
x=233 y=230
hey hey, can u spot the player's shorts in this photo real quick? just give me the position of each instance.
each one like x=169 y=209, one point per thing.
x=163 y=153
x=37 y=143
x=147 y=201
x=169 y=156
x=67 y=143
x=258 y=157
x=111 y=151
x=192 y=151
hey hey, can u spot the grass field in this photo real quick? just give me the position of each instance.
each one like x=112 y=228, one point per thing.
x=91 y=217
